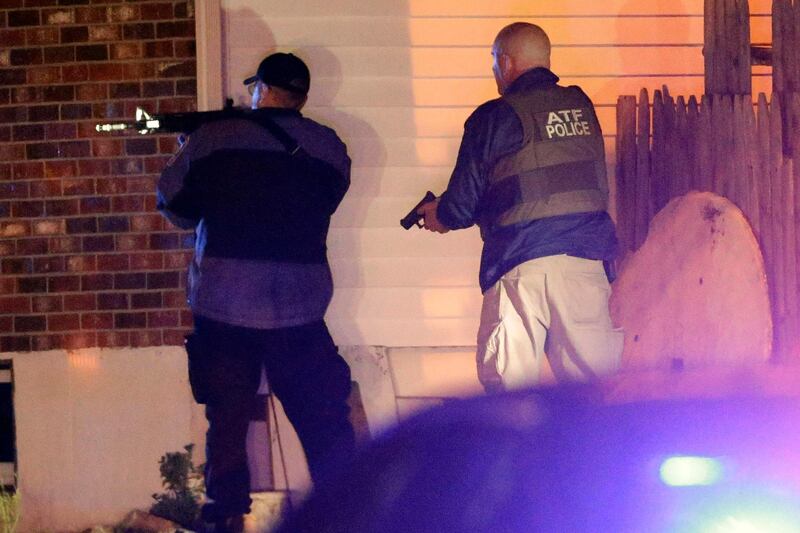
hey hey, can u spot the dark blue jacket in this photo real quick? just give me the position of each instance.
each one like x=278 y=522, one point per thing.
x=261 y=217
x=493 y=131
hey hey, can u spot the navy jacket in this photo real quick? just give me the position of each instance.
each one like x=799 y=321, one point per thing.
x=492 y=131
x=261 y=217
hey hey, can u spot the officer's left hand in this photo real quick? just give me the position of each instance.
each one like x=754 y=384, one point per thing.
x=430 y=221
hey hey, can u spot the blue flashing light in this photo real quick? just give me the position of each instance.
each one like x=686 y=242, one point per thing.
x=689 y=471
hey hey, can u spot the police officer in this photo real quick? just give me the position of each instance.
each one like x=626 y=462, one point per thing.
x=259 y=191
x=531 y=174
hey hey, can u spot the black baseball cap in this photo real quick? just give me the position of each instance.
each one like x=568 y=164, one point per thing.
x=286 y=71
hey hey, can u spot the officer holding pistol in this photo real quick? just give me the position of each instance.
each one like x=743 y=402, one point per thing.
x=531 y=174
x=260 y=191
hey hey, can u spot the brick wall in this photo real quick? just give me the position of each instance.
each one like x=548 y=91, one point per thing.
x=86 y=259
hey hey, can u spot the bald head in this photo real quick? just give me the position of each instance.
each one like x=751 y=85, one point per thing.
x=517 y=48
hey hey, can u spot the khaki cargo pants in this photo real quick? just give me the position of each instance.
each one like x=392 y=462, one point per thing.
x=553 y=308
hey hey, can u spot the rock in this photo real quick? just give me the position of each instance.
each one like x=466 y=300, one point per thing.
x=695 y=294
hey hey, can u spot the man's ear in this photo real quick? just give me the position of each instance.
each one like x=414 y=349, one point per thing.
x=506 y=64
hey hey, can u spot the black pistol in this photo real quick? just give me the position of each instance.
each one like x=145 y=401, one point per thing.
x=413 y=218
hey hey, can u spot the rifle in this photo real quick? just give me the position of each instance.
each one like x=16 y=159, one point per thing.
x=184 y=123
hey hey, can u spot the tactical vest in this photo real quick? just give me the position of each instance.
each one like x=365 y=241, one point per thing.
x=560 y=168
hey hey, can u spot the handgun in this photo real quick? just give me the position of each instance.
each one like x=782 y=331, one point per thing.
x=414 y=218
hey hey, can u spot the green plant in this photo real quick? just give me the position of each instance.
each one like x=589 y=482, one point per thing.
x=10 y=508
x=184 y=483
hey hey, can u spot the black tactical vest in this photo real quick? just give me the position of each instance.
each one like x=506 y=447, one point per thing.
x=560 y=168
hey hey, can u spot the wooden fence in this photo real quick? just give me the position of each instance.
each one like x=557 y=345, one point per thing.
x=728 y=145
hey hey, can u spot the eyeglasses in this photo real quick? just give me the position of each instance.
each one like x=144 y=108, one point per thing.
x=251 y=88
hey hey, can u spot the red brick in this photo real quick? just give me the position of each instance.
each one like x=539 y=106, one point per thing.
x=30 y=209
x=63 y=322
x=30 y=170
x=29 y=323
x=154 y=165
x=113 y=339
x=163 y=319
x=113 y=262
x=15 y=229
x=47 y=304
x=59 y=169
x=61 y=207
x=81 y=225
x=75 y=72
x=92 y=91
x=43 y=343
x=15 y=304
x=127 y=204
x=143 y=184
x=105 y=32
x=97 y=321
x=63 y=284
x=46 y=189
x=158 y=11
x=113 y=224
x=44 y=75
x=6 y=324
x=107 y=148
x=111 y=186
x=146 y=300
x=59 y=54
x=94 y=167
x=11 y=37
x=29 y=132
x=58 y=16
x=82 y=263
x=112 y=300
x=146 y=223
x=131 y=242
x=49 y=227
x=141 y=339
x=95 y=205
x=31 y=246
x=174 y=299
x=65 y=244
x=10 y=285
x=159 y=49
x=132 y=280
x=177 y=260
x=85 y=15
x=174 y=337
x=147 y=261
x=78 y=187
x=80 y=302
x=140 y=71
x=26 y=95
x=15 y=343
x=76 y=341
x=42 y=36
x=97 y=282
x=126 y=50
x=48 y=265
x=186 y=319
x=130 y=320
x=127 y=166
x=106 y=72
x=60 y=130
x=98 y=243
x=125 y=13
x=17 y=265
